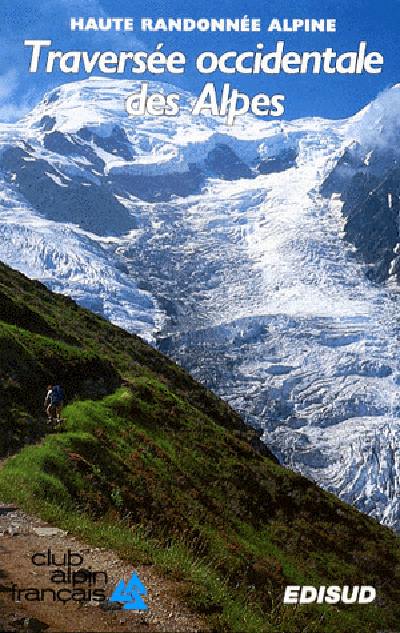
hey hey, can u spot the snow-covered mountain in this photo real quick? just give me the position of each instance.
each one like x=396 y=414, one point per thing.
x=264 y=257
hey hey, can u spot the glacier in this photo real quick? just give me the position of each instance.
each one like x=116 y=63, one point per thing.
x=263 y=257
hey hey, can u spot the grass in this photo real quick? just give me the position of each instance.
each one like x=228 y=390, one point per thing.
x=156 y=467
x=146 y=473
x=46 y=338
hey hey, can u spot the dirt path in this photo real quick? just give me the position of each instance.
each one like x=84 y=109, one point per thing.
x=22 y=536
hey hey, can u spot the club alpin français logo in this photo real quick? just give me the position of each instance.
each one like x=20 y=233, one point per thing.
x=70 y=581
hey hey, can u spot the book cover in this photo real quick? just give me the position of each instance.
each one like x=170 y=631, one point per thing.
x=199 y=317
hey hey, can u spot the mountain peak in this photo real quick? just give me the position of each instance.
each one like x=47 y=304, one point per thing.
x=91 y=102
x=377 y=124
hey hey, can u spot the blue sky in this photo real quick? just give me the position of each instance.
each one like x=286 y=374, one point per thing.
x=330 y=96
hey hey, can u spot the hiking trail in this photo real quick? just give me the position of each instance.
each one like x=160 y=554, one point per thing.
x=23 y=535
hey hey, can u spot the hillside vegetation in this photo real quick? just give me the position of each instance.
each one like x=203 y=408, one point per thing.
x=156 y=467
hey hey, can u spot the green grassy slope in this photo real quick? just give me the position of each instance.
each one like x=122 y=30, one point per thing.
x=45 y=338
x=164 y=472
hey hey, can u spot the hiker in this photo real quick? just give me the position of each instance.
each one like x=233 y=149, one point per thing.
x=47 y=403
x=54 y=402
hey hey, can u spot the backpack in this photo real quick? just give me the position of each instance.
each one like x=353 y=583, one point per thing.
x=57 y=394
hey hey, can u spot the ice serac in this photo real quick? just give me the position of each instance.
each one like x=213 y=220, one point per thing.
x=264 y=257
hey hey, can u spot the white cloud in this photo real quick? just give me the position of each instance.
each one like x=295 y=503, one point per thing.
x=8 y=84
x=10 y=112
x=13 y=106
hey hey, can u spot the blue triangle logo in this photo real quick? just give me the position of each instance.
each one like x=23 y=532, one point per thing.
x=130 y=594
